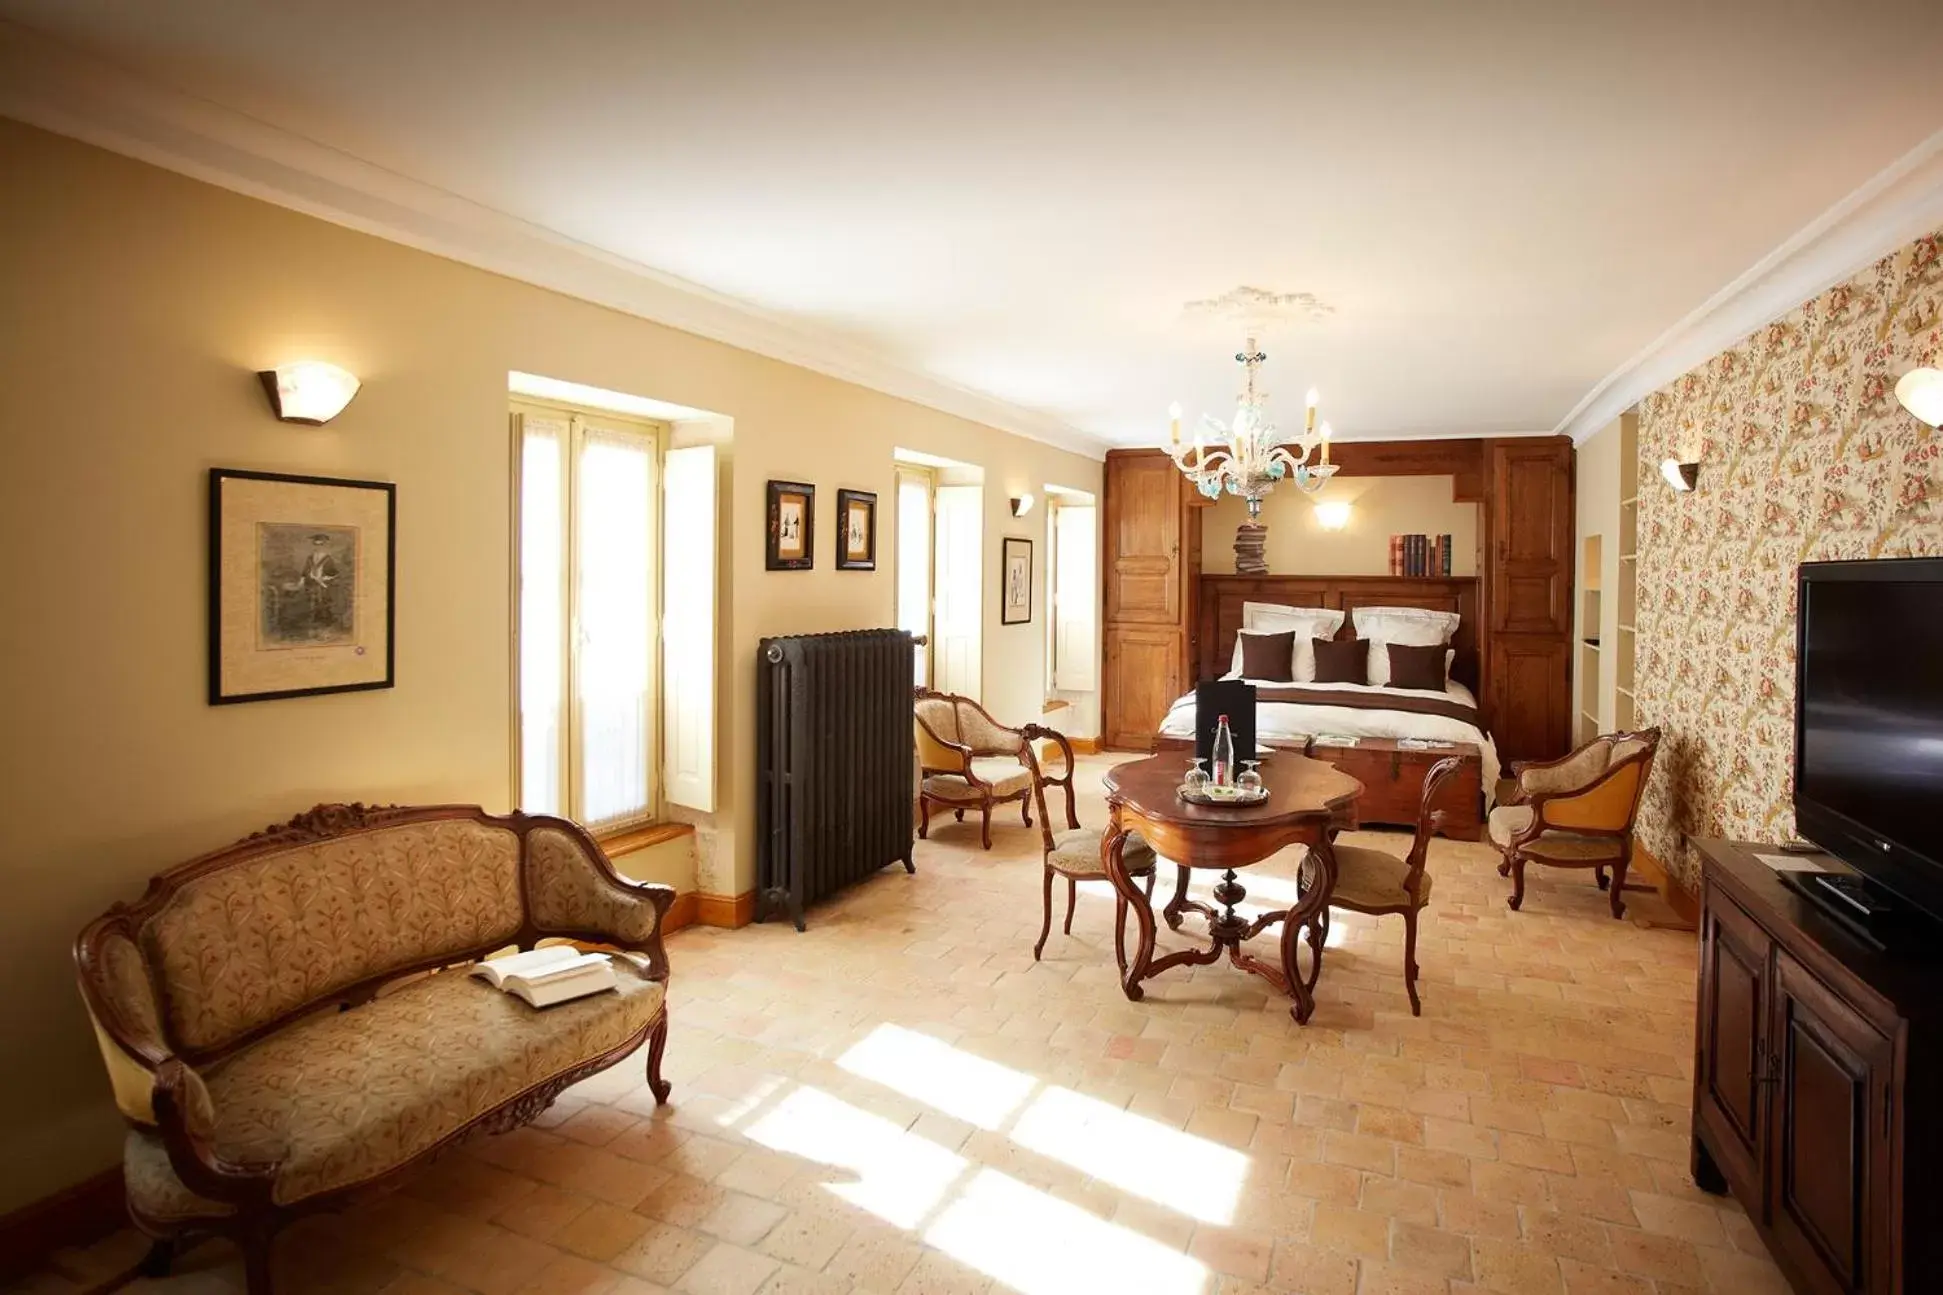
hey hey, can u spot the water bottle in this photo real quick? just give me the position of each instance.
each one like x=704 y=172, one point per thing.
x=1224 y=754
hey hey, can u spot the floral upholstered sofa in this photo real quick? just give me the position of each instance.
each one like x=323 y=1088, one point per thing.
x=287 y=1023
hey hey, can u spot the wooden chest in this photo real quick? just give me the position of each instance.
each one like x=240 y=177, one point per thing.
x=1393 y=780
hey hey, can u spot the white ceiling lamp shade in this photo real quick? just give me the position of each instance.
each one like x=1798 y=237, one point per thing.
x=1921 y=393
x=310 y=392
x=1681 y=476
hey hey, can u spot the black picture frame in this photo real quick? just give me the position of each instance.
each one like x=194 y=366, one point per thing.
x=846 y=501
x=1014 y=549
x=789 y=552
x=217 y=645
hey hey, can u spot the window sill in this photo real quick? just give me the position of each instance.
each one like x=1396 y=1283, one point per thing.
x=640 y=838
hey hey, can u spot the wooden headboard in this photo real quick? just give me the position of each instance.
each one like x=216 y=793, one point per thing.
x=1222 y=597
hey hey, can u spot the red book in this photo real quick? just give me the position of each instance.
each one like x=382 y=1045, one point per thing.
x=1396 y=555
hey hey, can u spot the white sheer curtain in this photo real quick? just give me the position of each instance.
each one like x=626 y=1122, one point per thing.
x=542 y=613
x=914 y=565
x=616 y=650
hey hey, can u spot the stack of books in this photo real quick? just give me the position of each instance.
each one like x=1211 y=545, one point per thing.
x=1420 y=555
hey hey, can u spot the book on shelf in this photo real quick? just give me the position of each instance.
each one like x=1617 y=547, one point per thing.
x=1421 y=555
x=555 y=974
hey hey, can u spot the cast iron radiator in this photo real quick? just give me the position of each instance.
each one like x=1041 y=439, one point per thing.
x=835 y=758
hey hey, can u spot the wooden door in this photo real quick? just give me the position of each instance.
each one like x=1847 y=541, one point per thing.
x=1151 y=563
x=1830 y=1159
x=1144 y=667
x=1143 y=541
x=1531 y=537
x=1731 y=1072
x=1529 y=696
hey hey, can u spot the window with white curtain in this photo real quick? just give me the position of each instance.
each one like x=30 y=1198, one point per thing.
x=587 y=616
x=914 y=488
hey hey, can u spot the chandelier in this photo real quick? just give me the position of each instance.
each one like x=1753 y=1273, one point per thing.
x=1248 y=457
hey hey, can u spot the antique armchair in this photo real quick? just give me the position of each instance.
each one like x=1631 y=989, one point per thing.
x=1576 y=812
x=1378 y=883
x=968 y=760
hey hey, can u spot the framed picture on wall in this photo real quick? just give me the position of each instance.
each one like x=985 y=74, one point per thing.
x=792 y=526
x=300 y=585
x=1015 y=568
x=856 y=530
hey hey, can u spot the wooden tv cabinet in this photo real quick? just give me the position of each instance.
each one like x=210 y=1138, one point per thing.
x=1817 y=1074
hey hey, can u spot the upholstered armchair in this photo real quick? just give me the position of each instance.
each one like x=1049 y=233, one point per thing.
x=968 y=760
x=1576 y=812
x=1378 y=883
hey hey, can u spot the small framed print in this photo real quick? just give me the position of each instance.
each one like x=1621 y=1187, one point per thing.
x=300 y=585
x=792 y=526
x=1015 y=567
x=856 y=530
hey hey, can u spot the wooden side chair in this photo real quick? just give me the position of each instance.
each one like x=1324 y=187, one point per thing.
x=968 y=760
x=1075 y=854
x=1378 y=883
x=1576 y=812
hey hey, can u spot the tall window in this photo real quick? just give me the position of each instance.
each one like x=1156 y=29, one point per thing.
x=914 y=488
x=587 y=598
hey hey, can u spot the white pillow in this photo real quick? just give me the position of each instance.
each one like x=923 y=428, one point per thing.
x=1409 y=626
x=1308 y=623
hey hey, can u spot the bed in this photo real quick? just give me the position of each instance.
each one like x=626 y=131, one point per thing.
x=1379 y=713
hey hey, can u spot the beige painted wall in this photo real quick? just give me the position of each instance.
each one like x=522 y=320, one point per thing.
x=1379 y=508
x=138 y=305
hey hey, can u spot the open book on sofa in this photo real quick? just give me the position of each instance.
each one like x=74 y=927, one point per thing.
x=543 y=977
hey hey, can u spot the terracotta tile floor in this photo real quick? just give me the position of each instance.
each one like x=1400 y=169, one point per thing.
x=902 y=1101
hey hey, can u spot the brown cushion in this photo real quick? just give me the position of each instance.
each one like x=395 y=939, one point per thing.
x=1342 y=660
x=1269 y=657
x=1417 y=667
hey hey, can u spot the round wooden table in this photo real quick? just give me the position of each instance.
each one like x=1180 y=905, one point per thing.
x=1305 y=799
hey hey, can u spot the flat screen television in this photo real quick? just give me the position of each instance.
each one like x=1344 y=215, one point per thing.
x=1869 y=720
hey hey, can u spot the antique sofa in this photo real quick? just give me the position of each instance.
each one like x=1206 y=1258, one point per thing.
x=287 y=1024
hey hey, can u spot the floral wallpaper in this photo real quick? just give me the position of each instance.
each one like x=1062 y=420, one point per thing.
x=1804 y=455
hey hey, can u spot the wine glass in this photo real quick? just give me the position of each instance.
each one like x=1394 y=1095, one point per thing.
x=1250 y=781
x=1197 y=777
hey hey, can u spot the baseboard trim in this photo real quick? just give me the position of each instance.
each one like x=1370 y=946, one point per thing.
x=1685 y=905
x=680 y=913
x=74 y=1216
x=732 y=911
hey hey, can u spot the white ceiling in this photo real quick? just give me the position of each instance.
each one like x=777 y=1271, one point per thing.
x=1504 y=203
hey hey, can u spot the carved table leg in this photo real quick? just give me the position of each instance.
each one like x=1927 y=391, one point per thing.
x=1308 y=915
x=1113 y=849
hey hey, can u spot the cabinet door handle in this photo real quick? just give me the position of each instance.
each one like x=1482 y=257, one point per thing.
x=1765 y=1068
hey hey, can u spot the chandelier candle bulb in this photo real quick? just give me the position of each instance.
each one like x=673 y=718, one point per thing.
x=1314 y=399
x=1174 y=426
x=1325 y=445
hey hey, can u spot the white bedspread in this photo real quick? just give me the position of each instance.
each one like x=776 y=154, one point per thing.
x=1281 y=719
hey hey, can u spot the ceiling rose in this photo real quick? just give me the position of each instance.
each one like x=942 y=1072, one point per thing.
x=1258 y=306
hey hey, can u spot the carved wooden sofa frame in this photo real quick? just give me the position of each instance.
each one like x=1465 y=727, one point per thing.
x=181 y=1105
x=984 y=796
x=1565 y=819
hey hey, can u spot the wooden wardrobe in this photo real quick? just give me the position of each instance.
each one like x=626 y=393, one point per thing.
x=1152 y=569
x=1524 y=489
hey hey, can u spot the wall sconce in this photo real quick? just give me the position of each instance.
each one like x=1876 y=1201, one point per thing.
x=1022 y=504
x=1333 y=514
x=1681 y=476
x=1921 y=393
x=309 y=392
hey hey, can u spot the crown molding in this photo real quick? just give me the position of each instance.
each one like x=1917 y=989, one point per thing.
x=1898 y=205
x=50 y=85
